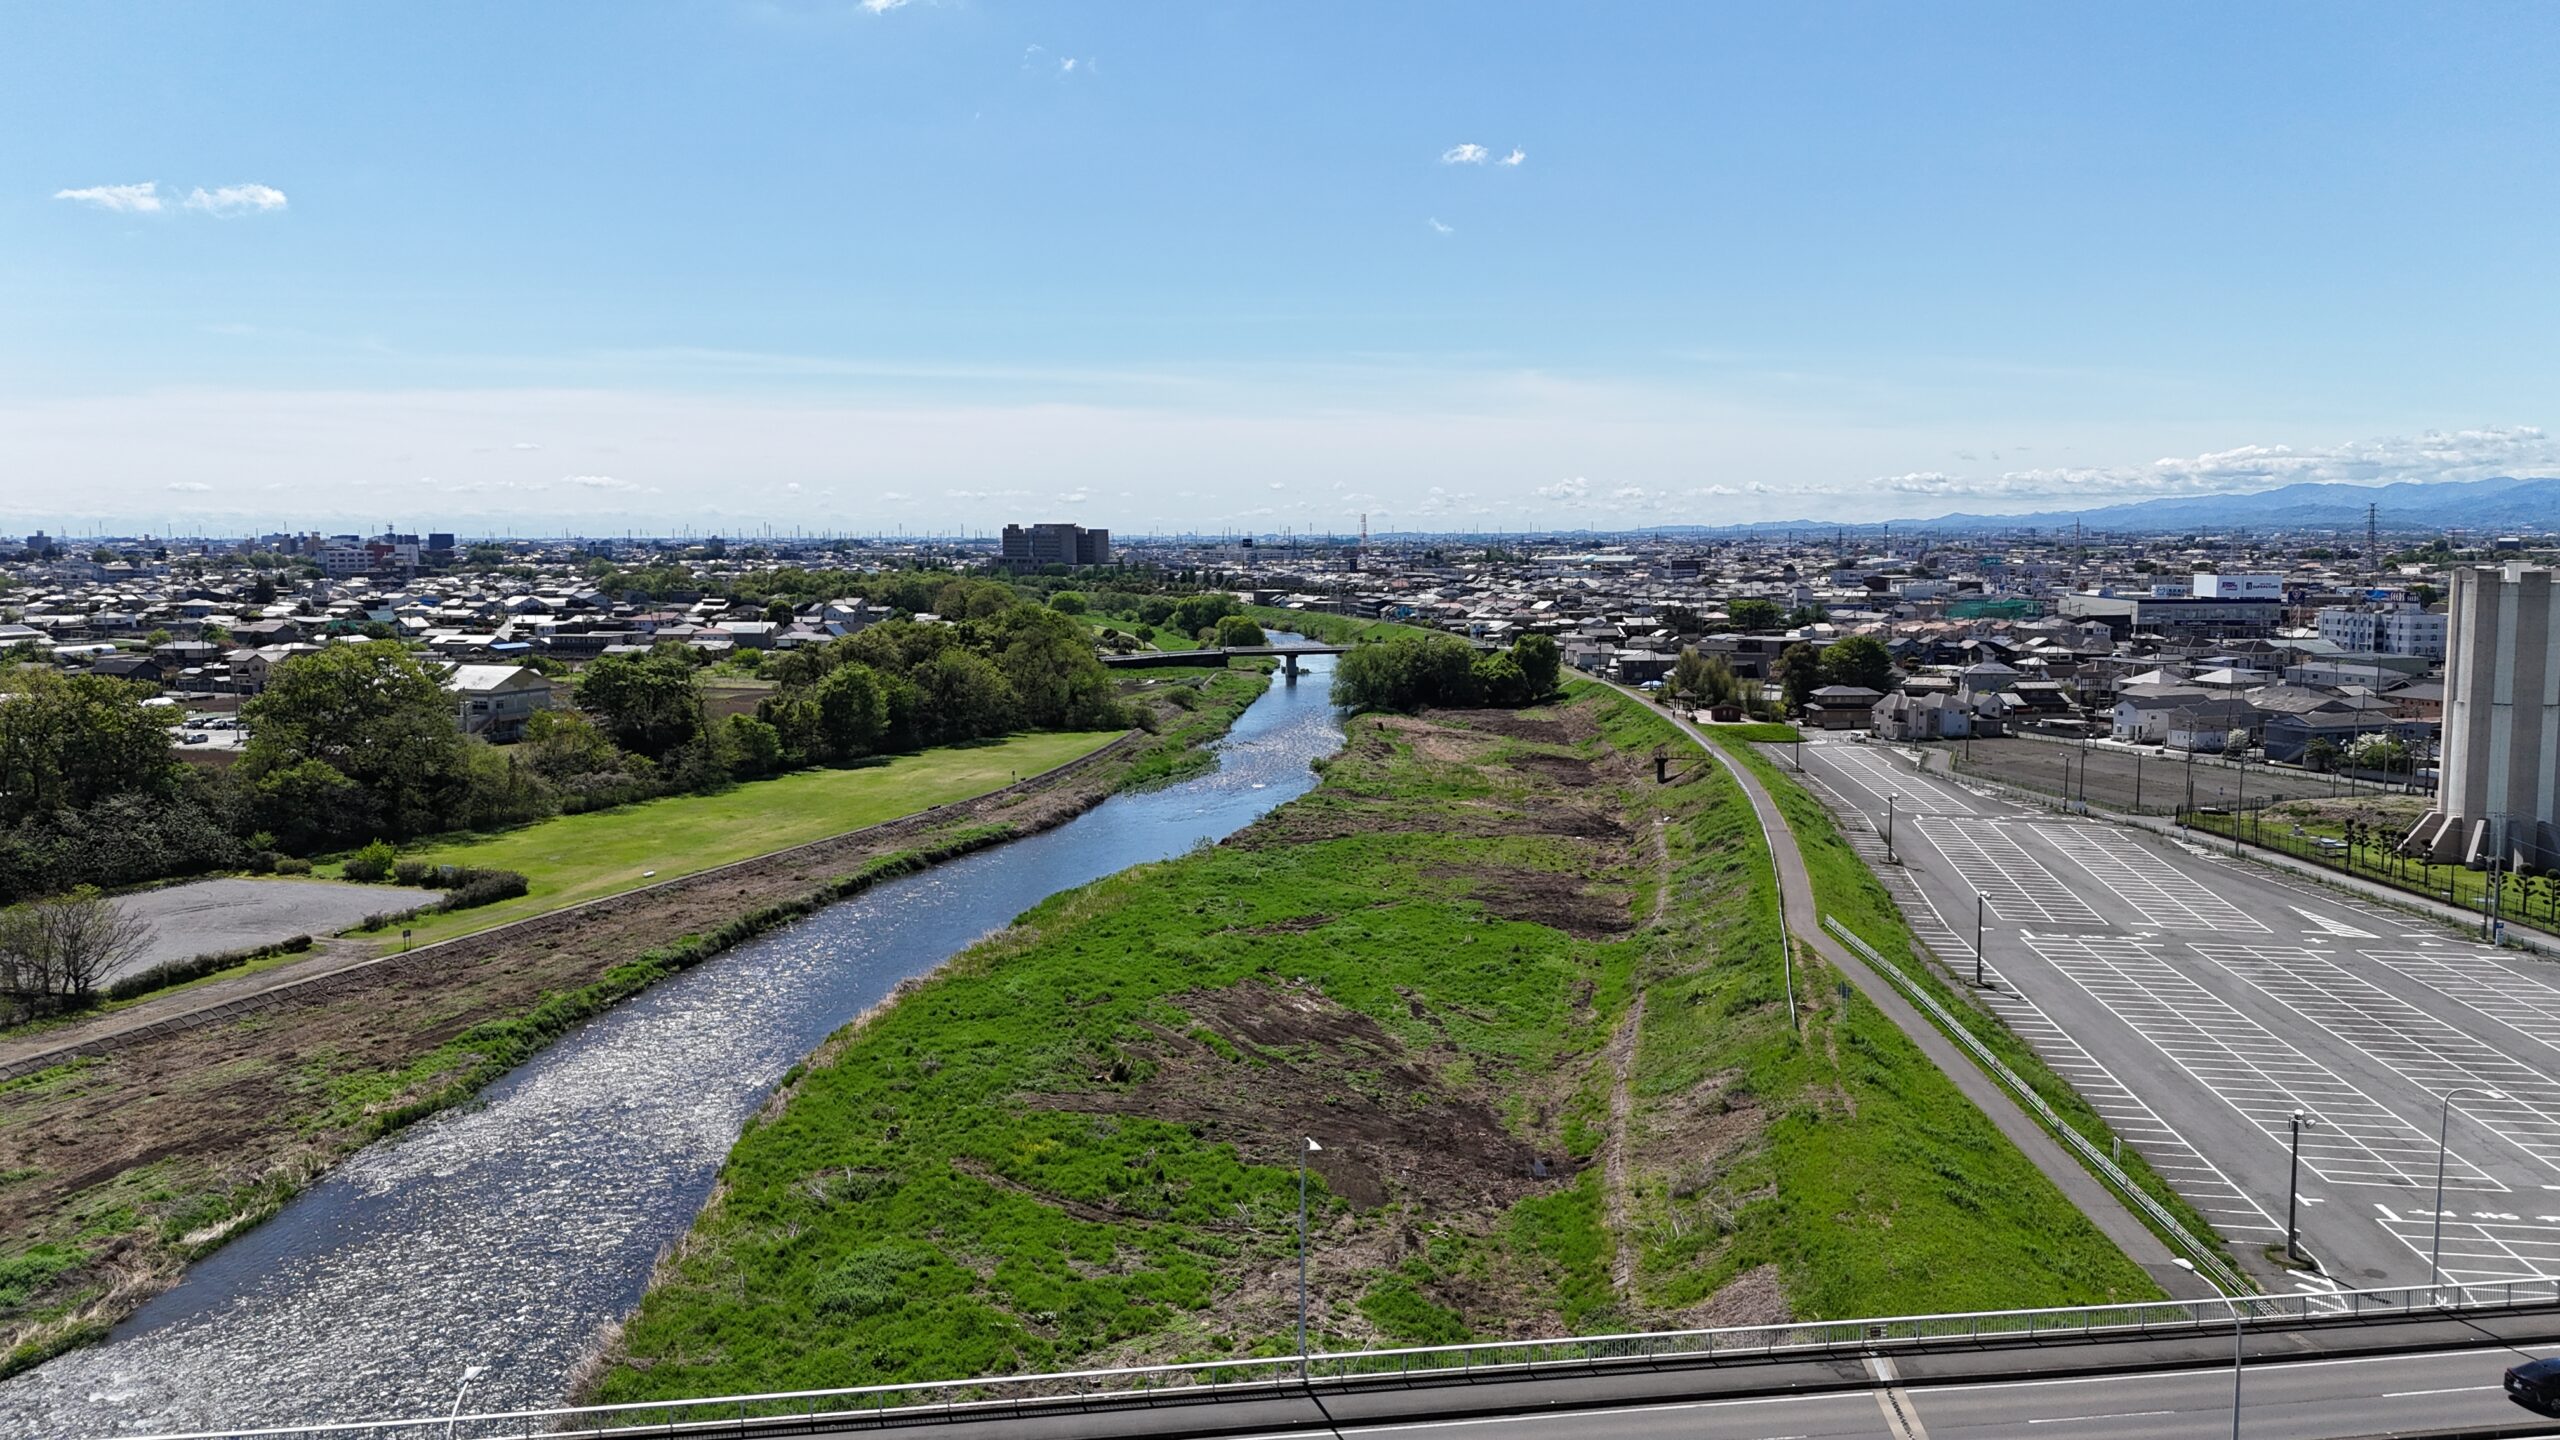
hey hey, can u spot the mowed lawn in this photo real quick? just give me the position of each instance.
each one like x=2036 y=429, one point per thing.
x=578 y=857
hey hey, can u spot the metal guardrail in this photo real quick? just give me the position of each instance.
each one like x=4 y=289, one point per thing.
x=2208 y=1258
x=994 y=1397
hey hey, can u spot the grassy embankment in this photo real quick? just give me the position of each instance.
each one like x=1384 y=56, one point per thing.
x=115 y=1172
x=1074 y=1144
x=1845 y=888
x=570 y=858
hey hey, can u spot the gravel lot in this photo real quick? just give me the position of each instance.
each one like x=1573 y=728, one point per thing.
x=208 y=916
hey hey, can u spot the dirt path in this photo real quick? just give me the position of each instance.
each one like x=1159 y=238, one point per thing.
x=1622 y=1104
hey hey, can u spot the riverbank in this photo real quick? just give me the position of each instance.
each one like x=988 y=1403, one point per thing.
x=1528 y=1002
x=573 y=858
x=118 y=1169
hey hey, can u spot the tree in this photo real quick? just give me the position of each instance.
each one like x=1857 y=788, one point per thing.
x=1049 y=662
x=1408 y=673
x=1689 y=673
x=1798 y=673
x=373 y=714
x=967 y=695
x=2383 y=752
x=1235 y=632
x=853 y=711
x=54 y=953
x=652 y=704
x=1196 y=613
x=2320 y=754
x=1068 y=602
x=1859 y=660
x=1498 y=680
x=2235 y=742
x=1751 y=615
x=70 y=741
x=1541 y=662
x=755 y=748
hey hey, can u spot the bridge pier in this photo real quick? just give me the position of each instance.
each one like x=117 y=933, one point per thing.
x=1289 y=666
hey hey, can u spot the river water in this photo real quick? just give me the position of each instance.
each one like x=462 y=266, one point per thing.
x=507 y=1233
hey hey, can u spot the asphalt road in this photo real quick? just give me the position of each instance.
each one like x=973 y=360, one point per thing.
x=2305 y=1400
x=2198 y=1003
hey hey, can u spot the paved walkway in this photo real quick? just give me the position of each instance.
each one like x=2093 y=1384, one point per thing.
x=1804 y=924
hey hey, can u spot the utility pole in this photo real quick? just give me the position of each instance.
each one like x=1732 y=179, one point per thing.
x=1977 y=939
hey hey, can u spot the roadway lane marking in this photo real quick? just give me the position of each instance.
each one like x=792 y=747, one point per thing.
x=2334 y=927
x=2249 y=1067
x=2448 y=1390
x=2110 y=1415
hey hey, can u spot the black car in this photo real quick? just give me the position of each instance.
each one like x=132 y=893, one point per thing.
x=2535 y=1383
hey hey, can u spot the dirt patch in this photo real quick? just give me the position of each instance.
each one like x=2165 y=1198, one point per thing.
x=1547 y=728
x=1754 y=1297
x=1394 y=1129
x=1568 y=771
x=1543 y=897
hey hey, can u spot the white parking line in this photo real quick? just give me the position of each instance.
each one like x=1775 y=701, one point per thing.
x=2525 y=1005
x=2431 y=1054
x=2252 y=1069
x=2166 y=897
x=2015 y=885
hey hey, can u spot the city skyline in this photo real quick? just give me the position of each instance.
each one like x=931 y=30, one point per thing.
x=852 y=267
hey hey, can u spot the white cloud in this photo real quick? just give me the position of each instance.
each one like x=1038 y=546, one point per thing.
x=524 y=445
x=892 y=497
x=1067 y=66
x=235 y=199
x=1442 y=229
x=189 y=486
x=883 y=7
x=142 y=199
x=791 y=489
x=1513 y=159
x=1464 y=155
x=1570 y=491
x=2382 y=460
x=598 y=482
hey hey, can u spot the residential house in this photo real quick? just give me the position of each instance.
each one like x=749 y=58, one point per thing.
x=494 y=701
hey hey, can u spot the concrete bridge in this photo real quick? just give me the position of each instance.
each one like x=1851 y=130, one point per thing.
x=1151 y=659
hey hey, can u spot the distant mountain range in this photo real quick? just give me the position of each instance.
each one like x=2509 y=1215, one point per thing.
x=2501 y=504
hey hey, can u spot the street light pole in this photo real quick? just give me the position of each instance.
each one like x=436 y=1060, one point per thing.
x=1977 y=939
x=2236 y=1335
x=1888 y=831
x=2444 y=1131
x=2293 y=1192
x=469 y=1374
x=1304 y=1150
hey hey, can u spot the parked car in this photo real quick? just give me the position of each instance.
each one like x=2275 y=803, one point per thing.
x=2535 y=1384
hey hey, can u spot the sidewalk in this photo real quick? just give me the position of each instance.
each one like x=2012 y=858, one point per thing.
x=1804 y=923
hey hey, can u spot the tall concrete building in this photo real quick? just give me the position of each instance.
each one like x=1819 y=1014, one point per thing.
x=1030 y=547
x=2498 y=797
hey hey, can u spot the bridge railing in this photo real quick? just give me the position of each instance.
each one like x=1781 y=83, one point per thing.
x=1000 y=1395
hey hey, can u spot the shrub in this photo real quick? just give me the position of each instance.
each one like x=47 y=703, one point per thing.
x=292 y=865
x=414 y=873
x=483 y=887
x=370 y=864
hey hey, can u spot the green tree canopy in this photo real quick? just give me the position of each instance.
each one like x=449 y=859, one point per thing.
x=1753 y=615
x=374 y=715
x=652 y=704
x=1239 y=632
x=1858 y=660
x=70 y=741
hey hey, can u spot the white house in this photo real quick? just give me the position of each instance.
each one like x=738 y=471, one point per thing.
x=496 y=700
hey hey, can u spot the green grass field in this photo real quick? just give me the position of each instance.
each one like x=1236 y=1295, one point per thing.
x=1073 y=1145
x=570 y=858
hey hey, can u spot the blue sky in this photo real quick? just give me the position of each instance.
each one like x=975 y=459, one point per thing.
x=943 y=265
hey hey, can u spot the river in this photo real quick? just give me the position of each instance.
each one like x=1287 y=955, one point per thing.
x=507 y=1233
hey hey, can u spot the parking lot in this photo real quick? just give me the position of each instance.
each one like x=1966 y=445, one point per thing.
x=2141 y=780
x=2199 y=1003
